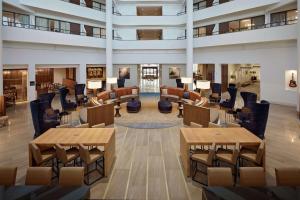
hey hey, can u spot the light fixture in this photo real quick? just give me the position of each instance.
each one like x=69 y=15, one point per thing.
x=186 y=81
x=94 y=85
x=203 y=85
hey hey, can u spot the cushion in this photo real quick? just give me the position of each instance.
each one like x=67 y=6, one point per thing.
x=100 y=101
x=134 y=91
x=112 y=95
x=164 y=91
x=186 y=95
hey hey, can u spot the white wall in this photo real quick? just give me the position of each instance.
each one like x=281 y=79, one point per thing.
x=165 y=74
x=274 y=58
x=133 y=81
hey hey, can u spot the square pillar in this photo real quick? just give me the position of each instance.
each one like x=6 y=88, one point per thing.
x=31 y=91
x=218 y=73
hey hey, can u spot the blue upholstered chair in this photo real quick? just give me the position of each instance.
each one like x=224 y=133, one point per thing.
x=165 y=106
x=133 y=106
x=79 y=94
x=40 y=119
x=49 y=98
x=259 y=118
x=216 y=92
x=179 y=83
x=121 y=82
x=66 y=105
x=229 y=103
x=248 y=98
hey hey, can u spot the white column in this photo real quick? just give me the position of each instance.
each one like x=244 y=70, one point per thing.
x=268 y=18
x=109 y=52
x=218 y=73
x=31 y=92
x=298 y=57
x=1 y=51
x=81 y=74
x=32 y=20
x=190 y=39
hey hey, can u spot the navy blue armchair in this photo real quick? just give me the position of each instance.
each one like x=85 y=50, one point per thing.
x=216 y=92
x=259 y=118
x=49 y=98
x=229 y=103
x=179 y=83
x=121 y=82
x=79 y=94
x=41 y=120
x=249 y=98
x=66 y=105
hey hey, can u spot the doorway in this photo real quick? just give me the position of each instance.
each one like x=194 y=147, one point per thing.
x=149 y=78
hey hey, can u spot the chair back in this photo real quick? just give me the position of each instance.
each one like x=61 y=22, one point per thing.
x=36 y=153
x=61 y=153
x=248 y=98
x=8 y=176
x=260 y=152
x=219 y=176
x=71 y=176
x=84 y=153
x=195 y=125
x=102 y=125
x=179 y=83
x=121 y=82
x=288 y=176
x=211 y=154
x=79 y=89
x=232 y=91
x=252 y=177
x=216 y=88
x=63 y=95
x=38 y=176
x=36 y=117
x=47 y=97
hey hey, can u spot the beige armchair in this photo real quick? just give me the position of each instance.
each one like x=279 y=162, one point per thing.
x=8 y=176
x=252 y=177
x=219 y=177
x=38 y=176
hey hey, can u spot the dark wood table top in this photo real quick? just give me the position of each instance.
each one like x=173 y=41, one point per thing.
x=251 y=193
x=44 y=192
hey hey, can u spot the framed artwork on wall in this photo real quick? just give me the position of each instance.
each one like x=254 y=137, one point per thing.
x=174 y=72
x=95 y=72
x=124 y=73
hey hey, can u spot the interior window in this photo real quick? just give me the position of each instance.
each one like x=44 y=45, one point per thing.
x=245 y=24
x=292 y=16
x=234 y=26
x=41 y=23
x=258 y=22
x=8 y=19
x=278 y=19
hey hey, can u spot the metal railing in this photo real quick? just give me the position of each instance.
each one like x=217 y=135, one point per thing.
x=50 y=29
x=198 y=6
x=255 y=27
x=95 y=6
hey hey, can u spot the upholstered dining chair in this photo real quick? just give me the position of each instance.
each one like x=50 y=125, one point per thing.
x=66 y=156
x=90 y=157
x=288 y=176
x=64 y=126
x=202 y=158
x=83 y=125
x=213 y=125
x=42 y=158
x=38 y=176
x=102 y=125
x=219 y=176
x=8 y=176
x=252 y=177
x=71 y=176
x=228 y=156
x=195 y=125
x=79 y=94
x=252 y=154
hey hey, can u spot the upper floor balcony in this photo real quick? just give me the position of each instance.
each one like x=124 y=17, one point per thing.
x=149 y=44
x=230 y=7
x=165 y=20
x=244 y=35
x=91 y=10
x=20 y=32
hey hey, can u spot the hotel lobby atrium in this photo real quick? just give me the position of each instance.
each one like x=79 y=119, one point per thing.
x=152 y=99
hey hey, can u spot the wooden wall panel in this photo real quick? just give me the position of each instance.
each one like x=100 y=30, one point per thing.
x=197 y=114
x=2 y=106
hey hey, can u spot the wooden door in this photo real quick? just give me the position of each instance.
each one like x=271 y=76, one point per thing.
x=224 y=78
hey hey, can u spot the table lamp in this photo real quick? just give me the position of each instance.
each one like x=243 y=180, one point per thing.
x=111 y=81
x=203 y=85
x=94 y=85
x=186 y=81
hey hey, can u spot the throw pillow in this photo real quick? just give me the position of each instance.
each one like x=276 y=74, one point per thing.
x=164 y=91
x=186 y=95
x=112 y=95
x=134 y=91
x=100 y=101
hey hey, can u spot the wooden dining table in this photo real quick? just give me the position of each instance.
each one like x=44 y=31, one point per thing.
x=104 y=137
x=208 y=136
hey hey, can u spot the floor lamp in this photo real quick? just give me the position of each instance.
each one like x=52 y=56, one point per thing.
x=94 y=85
x=204 y=86
x=111 y=81
x=186 y=81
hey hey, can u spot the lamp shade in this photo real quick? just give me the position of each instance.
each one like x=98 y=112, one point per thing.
x=186 y=80
x=112 y=80
x=95 y=84
x=204 y=85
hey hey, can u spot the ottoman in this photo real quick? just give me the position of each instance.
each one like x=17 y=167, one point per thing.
x=164 y=106
x=133 y=106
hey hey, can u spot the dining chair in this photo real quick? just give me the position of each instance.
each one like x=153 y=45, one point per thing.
x=8 y=176
x=99 y=125
x=43 y=157
x=219 y=176
x=213 y=125
x=288 y=176
x=38 y=176
x=252 y=177
x=228 y=156
x=232 y=125
x=195 y=125
x=71 y=176
x=251 y=155
x=203 y=158
x=89 y=157
x=64 y=126
x=66 y=156
x=83 y=125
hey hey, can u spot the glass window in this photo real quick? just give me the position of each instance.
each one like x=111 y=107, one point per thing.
x=103 y=33
x=22 y=20
x=65 y=27
x=292 y=16
x=234 y=26
x=96 y=32
x=278 y=19
x=202 y=31
x=245 y=24
x=8 y=19
x=195 y=32
x=258 y=22
x=41 y=23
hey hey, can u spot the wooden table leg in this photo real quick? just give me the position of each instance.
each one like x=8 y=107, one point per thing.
x=109 y=154
x=185 y=156
x=30 y=156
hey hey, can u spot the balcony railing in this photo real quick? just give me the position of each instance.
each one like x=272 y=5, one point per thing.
x=198 y=6
x=270 y=25
x=95 y=5
x=50 y=29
